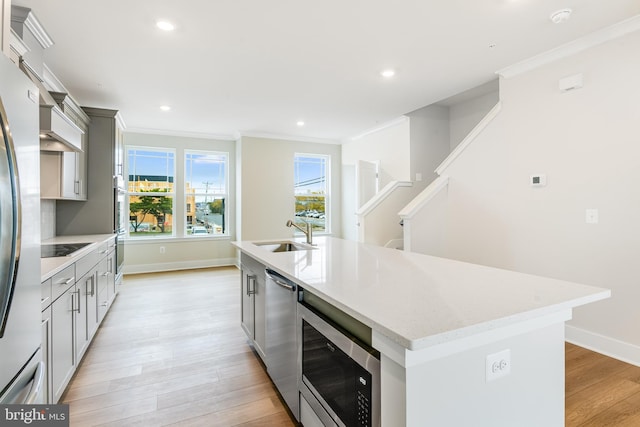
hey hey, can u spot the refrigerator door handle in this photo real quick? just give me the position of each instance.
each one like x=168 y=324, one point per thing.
x=11 y=221
x=36 y=385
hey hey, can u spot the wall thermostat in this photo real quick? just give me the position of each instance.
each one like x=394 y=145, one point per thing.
x=538 y=180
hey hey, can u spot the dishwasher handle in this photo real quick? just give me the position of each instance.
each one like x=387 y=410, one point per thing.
x=279 y=280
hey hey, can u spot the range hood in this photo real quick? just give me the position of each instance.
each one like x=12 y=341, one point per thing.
x=57 y=131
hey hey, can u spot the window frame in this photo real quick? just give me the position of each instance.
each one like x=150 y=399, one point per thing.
x=129 y=193
x=327 y=189
x=224 y=195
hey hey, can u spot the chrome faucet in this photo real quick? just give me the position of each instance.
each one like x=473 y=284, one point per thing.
x=308 y=232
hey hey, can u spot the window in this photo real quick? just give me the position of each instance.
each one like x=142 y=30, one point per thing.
x=311 y=185
x=206 y=193
x=150 y=191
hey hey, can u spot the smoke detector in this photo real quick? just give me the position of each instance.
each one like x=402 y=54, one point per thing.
x=560 y=16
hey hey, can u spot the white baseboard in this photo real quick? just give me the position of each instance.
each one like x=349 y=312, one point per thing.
x=183 y=265
x=611 y=347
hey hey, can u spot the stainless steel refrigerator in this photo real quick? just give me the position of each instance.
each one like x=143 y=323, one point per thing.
x=21 y=367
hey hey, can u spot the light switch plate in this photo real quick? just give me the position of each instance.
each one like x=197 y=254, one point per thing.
x=591 y=216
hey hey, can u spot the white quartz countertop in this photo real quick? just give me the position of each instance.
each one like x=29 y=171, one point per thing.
x=418 y=300
x=50 y=266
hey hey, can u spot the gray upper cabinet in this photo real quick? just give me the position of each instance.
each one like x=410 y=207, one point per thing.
x=63 y=174
x=104 y=161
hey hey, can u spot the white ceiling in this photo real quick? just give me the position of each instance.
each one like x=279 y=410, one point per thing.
x=259 y=66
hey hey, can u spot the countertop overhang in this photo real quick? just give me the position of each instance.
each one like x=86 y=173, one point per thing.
x=419 y=300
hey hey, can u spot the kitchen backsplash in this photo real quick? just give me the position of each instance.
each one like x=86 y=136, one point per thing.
x=47 y=219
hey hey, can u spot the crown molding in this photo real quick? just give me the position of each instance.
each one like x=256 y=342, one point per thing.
x=25 y=16
x=120 y=121
x=385 y=125
x=50 y=80
x=606 y=34
x=53 y=84
x=164 y=132
x=287 y=137
x=17 y=45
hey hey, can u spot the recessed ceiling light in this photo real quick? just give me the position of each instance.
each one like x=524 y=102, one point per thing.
x=300 y=123
x=560 y=16
x=165 y=25
x=387 y=74
x=165 y=108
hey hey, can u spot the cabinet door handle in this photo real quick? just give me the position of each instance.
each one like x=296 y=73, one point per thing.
x=78 y=294
x=251 y=278
x=93 y=286
x=66 y=281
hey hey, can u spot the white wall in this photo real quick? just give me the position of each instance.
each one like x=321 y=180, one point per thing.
x=430 y=142
x=391 y=146
x=464 y=116
x=587 y=143
x=265 y=186
x=182 y=252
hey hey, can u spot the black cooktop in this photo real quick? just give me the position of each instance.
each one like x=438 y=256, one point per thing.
x=60 y=249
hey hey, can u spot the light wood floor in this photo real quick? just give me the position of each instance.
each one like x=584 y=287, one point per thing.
x=171 y=352
x=600 y=391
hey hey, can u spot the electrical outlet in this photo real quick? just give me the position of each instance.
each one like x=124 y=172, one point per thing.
x=161 y=249
x=498 y=365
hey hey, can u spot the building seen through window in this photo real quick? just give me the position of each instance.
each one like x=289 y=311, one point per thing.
x=151 y=191
x=311 y=172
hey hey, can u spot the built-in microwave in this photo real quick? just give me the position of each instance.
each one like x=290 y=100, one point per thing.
x=340 y=375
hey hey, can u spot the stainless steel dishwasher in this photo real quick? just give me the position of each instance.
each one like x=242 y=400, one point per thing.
x=281 y=345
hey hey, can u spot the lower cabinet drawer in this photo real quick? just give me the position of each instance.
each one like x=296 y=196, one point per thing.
x=62 y=281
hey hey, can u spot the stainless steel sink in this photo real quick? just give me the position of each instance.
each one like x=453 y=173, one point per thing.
x=285 y=246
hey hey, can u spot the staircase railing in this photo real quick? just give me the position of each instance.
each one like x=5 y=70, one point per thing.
x=469 y=138
x=416 y=205
x=376 y=219
x=424 y=218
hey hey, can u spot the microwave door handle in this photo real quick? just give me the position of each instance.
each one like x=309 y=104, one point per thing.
x=36 y=385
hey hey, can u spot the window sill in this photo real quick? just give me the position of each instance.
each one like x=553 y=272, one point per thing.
x=147 y=240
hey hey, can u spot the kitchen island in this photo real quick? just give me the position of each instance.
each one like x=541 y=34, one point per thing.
x=441 y=324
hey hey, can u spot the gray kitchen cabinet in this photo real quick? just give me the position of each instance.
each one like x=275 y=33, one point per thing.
x=86 y=312
x=104 y=277
x=111 y=273
x=46 y=351
x=247 y=311
x=253 y=314
x=63 y=360
x=71 y=314
x=104 y=157
x=63 y=174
